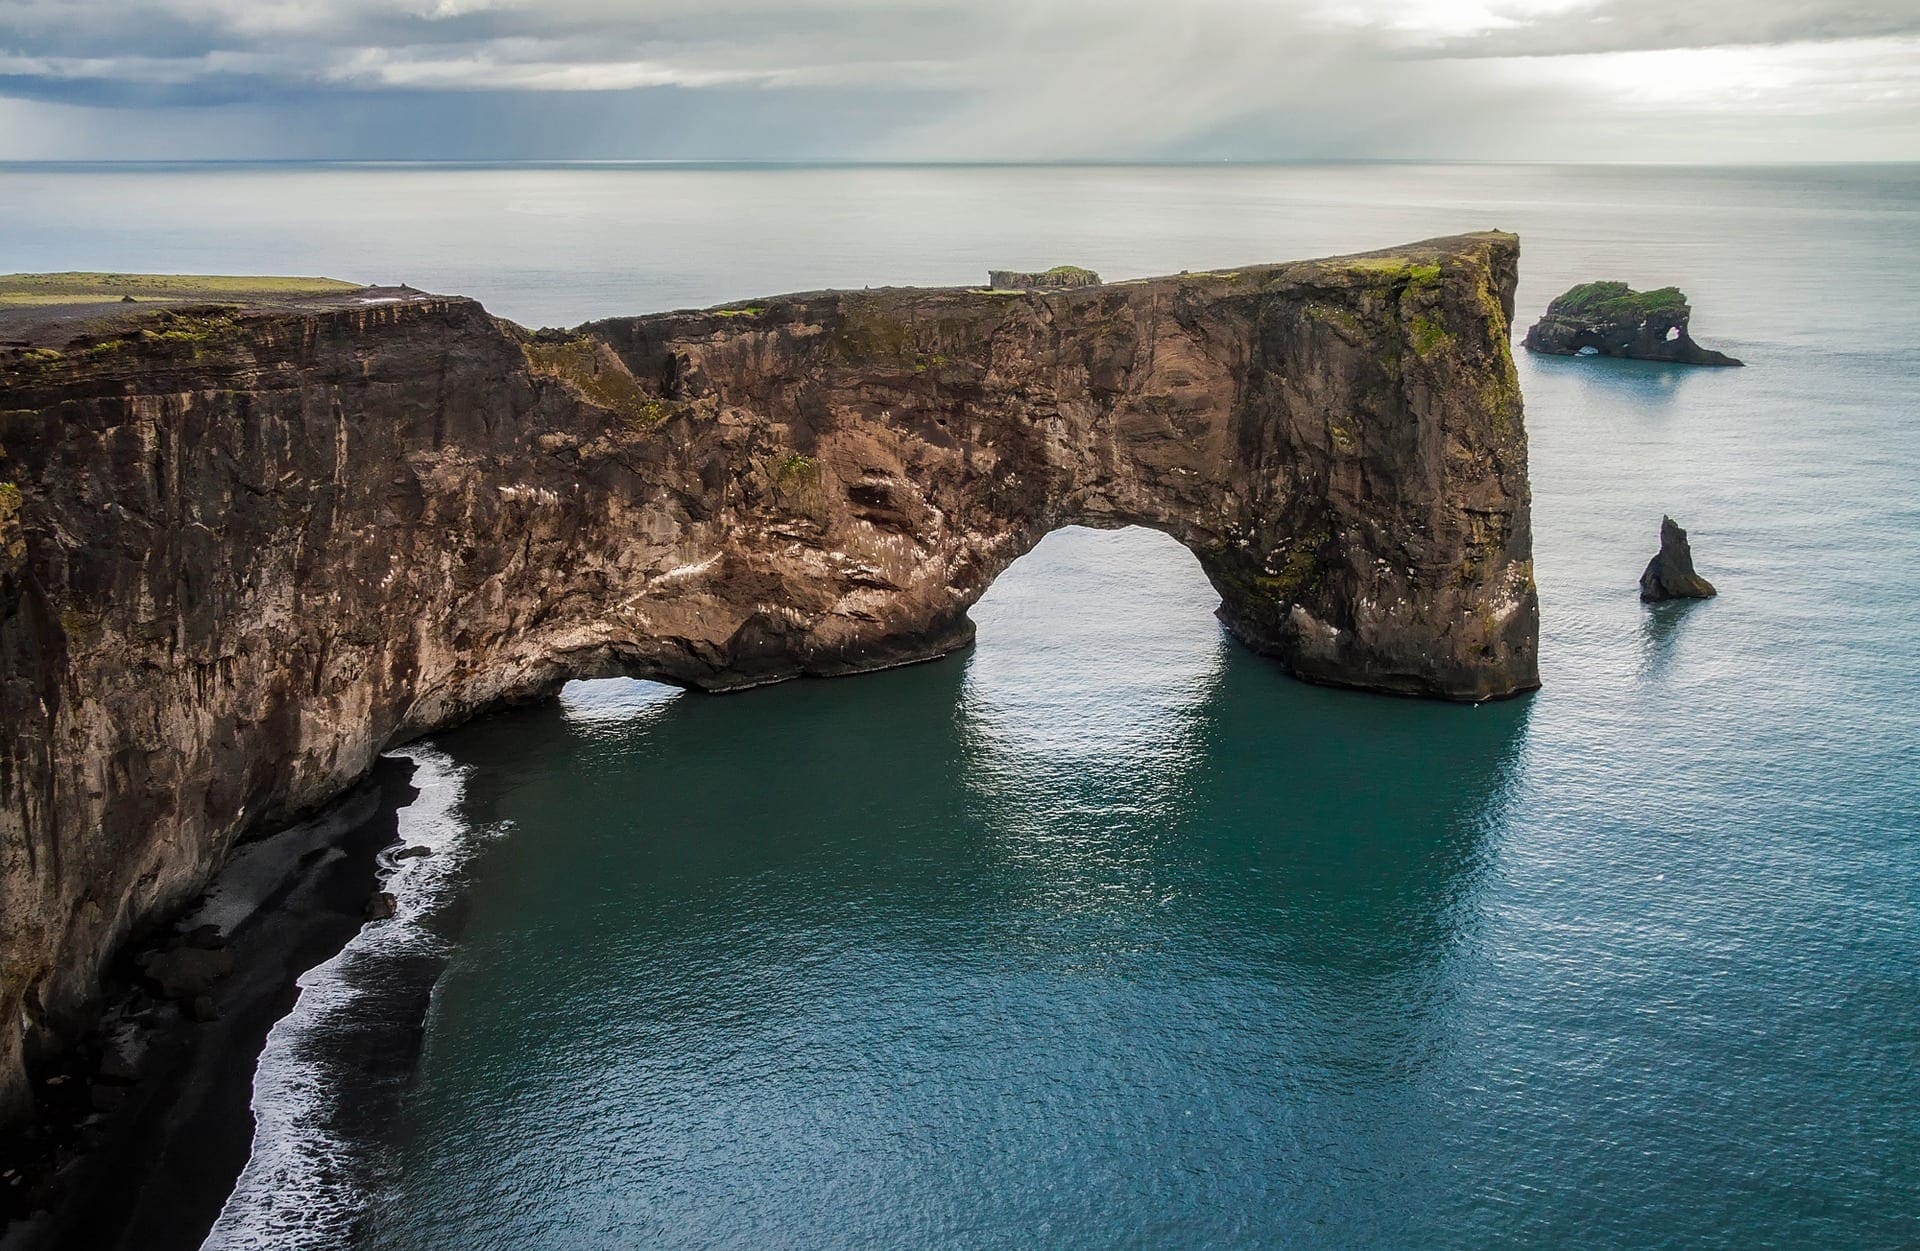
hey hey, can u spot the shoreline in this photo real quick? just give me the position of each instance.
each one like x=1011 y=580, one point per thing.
x=144 y=1130
x=329 y=1083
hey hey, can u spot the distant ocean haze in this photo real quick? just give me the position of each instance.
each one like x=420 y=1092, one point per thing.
x=1107 y=932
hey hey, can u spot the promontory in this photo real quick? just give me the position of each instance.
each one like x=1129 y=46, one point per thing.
x=249 y=543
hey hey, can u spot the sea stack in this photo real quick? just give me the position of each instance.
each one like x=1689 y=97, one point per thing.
x=1670 y=574
x=1612 y=319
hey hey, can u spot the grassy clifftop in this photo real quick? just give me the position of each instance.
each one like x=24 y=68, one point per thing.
x=1617 y=302
x=26 y=290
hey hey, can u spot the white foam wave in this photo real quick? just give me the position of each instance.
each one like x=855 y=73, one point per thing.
x=302 y=1187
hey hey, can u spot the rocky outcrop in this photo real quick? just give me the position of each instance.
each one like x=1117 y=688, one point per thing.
x=1670 y=574
x=1612 y=319
x=250 y=549
x=1059 y=278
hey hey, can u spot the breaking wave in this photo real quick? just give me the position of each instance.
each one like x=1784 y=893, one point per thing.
x=317 y=1157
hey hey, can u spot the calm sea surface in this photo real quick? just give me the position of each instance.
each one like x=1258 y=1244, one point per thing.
x=1107 y=933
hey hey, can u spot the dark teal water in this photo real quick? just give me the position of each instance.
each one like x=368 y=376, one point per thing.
x=1107 y=933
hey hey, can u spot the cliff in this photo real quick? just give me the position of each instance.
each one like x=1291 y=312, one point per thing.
x=1612 y=319
x=244 y=549
x=1059 y=278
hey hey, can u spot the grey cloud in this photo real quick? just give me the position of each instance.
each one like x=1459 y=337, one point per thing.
x=908 y=79
x=1657 y=25
x=48 y=46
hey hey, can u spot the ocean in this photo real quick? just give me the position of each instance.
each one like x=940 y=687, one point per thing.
x=1105 y=932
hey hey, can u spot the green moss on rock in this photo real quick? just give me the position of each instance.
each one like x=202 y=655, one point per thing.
x=591 y=371
x=1429 y=334
x=13 y=540
x=1617 y=302
x=1330 y=315
x=793 y=467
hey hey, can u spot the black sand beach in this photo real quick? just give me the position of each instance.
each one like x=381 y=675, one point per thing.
x=146 y=1126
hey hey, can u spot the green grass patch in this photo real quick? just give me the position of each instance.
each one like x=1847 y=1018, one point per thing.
x=87 y=287
x=1617 y=302
x=1429 y=334
x=750 y=310
x=1390 y=266
x=190 y=334
x=597 y=376
x=795 y=468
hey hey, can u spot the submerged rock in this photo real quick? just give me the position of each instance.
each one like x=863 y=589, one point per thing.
x=1670 y=573
x=381 y=906
x=1612 y=319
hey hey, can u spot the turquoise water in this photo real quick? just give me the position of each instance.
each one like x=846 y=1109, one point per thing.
x=1106 y=933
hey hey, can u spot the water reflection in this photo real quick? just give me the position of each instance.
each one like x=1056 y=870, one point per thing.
x=1111 y=901
x=1661 y=626
x=1644 y=386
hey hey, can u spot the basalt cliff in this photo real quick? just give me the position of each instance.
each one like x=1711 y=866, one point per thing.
x=245 y=548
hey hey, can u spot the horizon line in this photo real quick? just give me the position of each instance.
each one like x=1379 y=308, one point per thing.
x=850 y=163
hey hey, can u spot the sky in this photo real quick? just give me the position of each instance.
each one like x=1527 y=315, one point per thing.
x=961 y=80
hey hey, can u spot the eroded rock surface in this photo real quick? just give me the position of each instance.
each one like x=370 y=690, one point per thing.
x=1612 y=319
x=1059 y=278
x=244 y=551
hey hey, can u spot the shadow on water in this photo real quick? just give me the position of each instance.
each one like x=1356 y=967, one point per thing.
x=1661 y=626
x=1343 y=827
x=1651 y=386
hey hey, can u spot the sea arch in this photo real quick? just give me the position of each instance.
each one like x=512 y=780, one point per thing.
x=245 y=550
x=1338 y=442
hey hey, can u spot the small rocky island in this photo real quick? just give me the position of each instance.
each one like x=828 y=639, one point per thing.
x=1670 y=574
x=1059 y=278
x=1612 y=319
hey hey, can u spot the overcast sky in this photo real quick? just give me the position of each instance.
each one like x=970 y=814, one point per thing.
x=1634 y=80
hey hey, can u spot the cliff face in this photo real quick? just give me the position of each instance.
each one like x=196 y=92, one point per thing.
x=1059 y=278
x=243 y=552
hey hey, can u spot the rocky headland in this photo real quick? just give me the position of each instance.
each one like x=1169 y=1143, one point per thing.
x=248 y=545
x=1612 y=319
